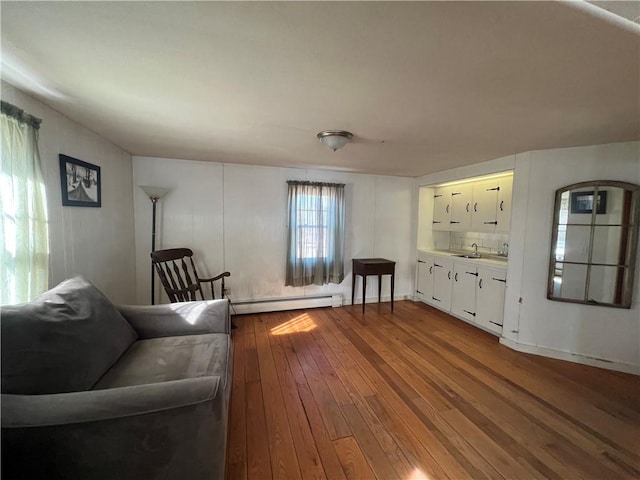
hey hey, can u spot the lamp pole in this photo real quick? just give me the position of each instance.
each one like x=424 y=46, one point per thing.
x=154 y=194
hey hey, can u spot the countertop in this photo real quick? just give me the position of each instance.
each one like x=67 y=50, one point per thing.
x=485 y=259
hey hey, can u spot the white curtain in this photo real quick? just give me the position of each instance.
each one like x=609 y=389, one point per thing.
x=24 y=245
x=315 y=240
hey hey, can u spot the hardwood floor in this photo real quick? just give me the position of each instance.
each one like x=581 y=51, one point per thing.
x=337 y=394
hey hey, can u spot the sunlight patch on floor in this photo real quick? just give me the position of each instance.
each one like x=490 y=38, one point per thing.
x=302 y=323
x=418 y=474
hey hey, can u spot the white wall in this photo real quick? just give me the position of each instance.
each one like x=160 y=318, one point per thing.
x=579 y=332
x=602 y=336
x=234 y=218
x=94 y=242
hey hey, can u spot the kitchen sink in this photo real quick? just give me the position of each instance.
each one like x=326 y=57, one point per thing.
x=469 y=256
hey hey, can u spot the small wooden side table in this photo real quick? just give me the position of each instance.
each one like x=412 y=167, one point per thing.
x=372 y=266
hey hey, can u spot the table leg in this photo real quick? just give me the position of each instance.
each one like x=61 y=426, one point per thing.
x=379 y=287
x=364 y=289
x=353 y=287
x=393 y=275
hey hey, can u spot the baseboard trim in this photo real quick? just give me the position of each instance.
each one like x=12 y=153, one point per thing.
x=243 y=307
x=571 y=357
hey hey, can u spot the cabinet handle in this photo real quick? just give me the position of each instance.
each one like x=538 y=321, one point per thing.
x=449 y=275
x=470 y=313
x=447 y=208
x=498 y=324
x=421 y=261
x=480 y=283
x=431 y=269
x=436 y=196
x=490 y=223
x=467 y=207
x=502 y=205
x=436 y=265
x=475 y=274
x=453 y=221
x=499 y=280
x=475 y=207
x=493 y=189
x=456 y=193
x=436 y=299
x=418 y=291
x=455 y=277
x=437 y=221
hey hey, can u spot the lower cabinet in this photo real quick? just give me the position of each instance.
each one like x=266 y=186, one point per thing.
x=463 y=299
x=490 y=298
x=464 y=288
x=442 y=276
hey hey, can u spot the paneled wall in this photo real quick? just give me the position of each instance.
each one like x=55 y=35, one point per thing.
x=94 y=242
x=234 y=217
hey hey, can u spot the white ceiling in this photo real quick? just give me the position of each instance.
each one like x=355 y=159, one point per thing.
x=423 y=86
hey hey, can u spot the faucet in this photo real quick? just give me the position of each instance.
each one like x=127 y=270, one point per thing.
x=475 y=249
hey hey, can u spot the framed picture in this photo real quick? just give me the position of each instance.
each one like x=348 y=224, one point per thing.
x=582 y=202
x=80 y=182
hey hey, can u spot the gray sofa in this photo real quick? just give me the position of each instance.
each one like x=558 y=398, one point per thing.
x=95 y=391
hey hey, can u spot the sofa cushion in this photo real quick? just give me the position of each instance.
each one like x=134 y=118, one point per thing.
x=171 y=358
x=63 y=341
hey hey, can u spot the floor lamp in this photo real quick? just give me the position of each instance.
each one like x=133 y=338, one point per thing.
x=154 y=194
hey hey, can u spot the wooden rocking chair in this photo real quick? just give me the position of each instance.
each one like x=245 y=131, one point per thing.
x=176 y=275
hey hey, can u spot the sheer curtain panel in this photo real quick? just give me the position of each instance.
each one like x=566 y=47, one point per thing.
x=24 y=244
x=315 y=237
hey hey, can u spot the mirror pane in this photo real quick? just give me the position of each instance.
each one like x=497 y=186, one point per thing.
x=612 y=211
x=569 y=281
x=576 y=244
x=606 y=245
x=580 y=204
x=604 y=283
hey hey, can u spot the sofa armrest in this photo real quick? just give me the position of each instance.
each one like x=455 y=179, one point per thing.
x=176 y=319
x=19 y=411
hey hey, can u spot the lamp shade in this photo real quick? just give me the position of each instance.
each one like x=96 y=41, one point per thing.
x=154 y=192
x=335 y=139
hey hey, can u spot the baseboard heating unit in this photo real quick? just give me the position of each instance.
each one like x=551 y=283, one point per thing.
x=242 y=307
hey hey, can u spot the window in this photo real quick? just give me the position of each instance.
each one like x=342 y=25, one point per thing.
x=315 y=246
x=24 y=245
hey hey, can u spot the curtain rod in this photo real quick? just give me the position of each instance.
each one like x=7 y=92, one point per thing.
x=314 y=184
x=19 y=114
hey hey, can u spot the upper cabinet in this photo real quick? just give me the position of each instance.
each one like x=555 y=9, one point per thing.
x=441 y=208
x=481 y=206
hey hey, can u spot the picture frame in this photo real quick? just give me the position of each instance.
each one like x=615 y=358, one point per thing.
x=582 y=202
x=80 y=183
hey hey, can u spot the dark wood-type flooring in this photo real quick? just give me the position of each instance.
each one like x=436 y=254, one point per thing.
x=337 y=394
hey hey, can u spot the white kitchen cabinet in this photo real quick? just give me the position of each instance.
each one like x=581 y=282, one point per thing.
x=492 y=283
x=441 y=208
x=503 y=211
x=463 y=295
x=468 y=289
x=461 y=205
x=424 y=284
x=485 y=203
x=442 y=282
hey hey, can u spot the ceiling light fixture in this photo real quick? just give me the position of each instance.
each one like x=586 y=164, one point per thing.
x=335 y=139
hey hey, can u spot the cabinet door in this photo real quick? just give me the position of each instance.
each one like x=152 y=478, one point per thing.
x=424 y=288
x=461 y=205
x=504 y=204
x=485 y=202
x=441 y=208
x=463 y=295
x=490 y=298
x=442 y=281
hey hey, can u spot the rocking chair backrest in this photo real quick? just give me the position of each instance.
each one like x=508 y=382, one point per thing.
x=179 y=276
